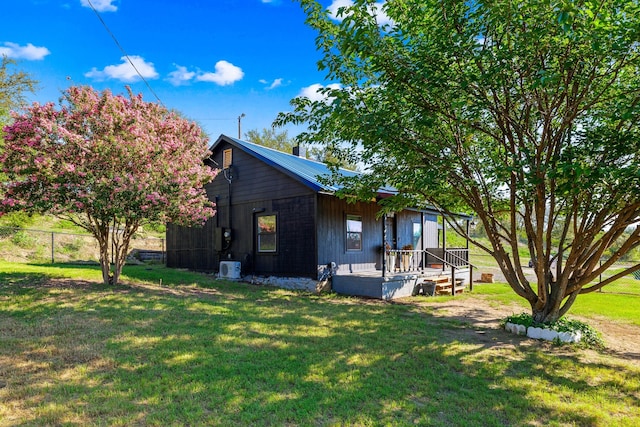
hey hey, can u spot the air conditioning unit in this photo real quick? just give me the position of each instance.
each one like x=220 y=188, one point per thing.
x=230 y=270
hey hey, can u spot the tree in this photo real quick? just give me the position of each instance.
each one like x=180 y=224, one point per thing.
x=12 y=89
x=13 y=86
x=524 y=113
x=109 y=164
x=270 y=138
x=280 y=141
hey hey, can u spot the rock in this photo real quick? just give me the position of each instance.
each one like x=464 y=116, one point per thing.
x=535 y=333
x=549 y=334
x=515 y=328
x=544 y=334
x=570 y=336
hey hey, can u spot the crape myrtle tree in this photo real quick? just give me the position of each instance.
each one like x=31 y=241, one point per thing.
x=522 y=113
x=109 y=164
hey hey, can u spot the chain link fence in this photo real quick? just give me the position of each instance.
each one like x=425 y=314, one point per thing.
x=39 y=246
x=629 y=284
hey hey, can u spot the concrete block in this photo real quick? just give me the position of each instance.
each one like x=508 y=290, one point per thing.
x=535 y=333
x=549 y=335
x=570 y=336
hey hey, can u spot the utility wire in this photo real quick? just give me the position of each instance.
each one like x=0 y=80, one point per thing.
x=125 y=53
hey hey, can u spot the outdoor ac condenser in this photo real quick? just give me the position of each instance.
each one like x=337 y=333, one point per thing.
x=230 y=269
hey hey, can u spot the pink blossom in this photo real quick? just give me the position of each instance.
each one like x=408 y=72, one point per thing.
x=127 y=172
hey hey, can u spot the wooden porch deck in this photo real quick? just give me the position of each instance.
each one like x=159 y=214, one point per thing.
x=370 y=283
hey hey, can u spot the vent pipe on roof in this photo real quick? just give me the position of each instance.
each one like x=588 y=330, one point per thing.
x=299 y=151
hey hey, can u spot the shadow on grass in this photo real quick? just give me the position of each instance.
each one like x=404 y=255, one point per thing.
x=21 y=279
x=247 y=355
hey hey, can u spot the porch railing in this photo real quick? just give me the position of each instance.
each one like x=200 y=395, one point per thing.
x=407 y=261
x=404 y=261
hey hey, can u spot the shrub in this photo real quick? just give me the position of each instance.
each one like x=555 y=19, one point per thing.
x=17 y=219
x=590 y=337
x=23 y=239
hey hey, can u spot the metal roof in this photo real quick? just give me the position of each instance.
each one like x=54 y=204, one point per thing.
x=304 y=170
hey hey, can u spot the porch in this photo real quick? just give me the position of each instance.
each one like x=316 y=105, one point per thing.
x=410 y=272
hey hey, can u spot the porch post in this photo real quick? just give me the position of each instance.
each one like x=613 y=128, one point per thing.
x=422 y=255
x=469 y=258
x=467 y=239
x=444 y=235
x=384 y=245
x=444 y=240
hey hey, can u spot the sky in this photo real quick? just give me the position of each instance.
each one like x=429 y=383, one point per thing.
x=212 y=60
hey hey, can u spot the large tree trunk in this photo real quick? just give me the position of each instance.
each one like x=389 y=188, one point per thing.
x=121 y=243
x=102 y=236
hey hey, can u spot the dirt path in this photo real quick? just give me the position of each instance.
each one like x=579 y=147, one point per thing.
x=623 y=340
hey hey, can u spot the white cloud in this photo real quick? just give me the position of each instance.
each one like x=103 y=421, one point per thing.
x=125 y=71
x=226 y=73
x=28 y=52
x=276 y=83
x=181 y=75
x=381 y=17
x=101 y=5
x=313 y=92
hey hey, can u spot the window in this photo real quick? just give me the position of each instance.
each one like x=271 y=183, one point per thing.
x=227 y=158
x=354 y=233
x=417 y=234
x=267 y=227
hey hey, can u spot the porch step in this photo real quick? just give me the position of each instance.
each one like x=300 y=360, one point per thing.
x=438 y=285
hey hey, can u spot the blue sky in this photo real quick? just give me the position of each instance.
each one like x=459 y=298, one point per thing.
x=213 y=60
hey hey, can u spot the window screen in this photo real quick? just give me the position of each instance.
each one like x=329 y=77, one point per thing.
x=267 y=232
x=354 y=233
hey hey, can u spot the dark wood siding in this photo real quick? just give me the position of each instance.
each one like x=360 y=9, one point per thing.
x=192 y=247
x=296 y=243
x=254 y=180
x=311 y=227
x=405 y=221
x=332 y=214
x=255 y=188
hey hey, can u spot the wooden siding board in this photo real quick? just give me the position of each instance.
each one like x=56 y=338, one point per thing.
x=297 y=241
x=252 y=178
x=405 y=221
x=311 y=226
x=332 y=234
x=189 y=247
x=295 y=237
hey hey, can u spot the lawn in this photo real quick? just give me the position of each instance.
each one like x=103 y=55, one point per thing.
x=170 y=347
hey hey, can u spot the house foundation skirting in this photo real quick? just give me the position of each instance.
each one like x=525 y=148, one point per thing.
x=294 y=283
x=390 y=287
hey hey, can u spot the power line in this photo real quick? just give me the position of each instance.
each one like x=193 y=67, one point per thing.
x=125 y=53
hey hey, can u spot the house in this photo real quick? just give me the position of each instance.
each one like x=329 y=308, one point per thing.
x=278 y=223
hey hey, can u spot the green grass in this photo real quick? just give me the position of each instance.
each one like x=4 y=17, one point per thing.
x=618 y=307
x=195 y=351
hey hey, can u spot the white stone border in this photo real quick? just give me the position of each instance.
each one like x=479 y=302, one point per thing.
x=544 y=334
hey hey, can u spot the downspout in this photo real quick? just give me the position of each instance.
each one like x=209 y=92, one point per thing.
x=228 y=175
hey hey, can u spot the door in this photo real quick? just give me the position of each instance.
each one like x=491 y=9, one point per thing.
x=391 y=231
